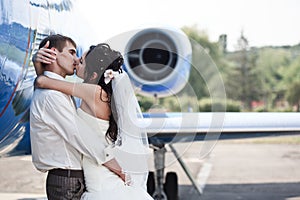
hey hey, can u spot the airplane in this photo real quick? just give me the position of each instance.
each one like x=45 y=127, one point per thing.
x=158 y=61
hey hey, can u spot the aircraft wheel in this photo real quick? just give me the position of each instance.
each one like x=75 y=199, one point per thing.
x=171 y=186
x=151 y=183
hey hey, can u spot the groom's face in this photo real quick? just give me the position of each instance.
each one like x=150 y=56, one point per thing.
x=67 y=59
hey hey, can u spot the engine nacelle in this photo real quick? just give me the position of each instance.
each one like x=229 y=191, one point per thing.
x=158 y=60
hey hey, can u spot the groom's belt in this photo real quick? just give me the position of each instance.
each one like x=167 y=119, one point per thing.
x=67 y=173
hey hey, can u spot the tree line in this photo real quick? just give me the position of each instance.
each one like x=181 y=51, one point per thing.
x=255 y=79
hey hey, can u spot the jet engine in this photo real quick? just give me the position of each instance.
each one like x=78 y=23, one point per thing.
x=158 y=61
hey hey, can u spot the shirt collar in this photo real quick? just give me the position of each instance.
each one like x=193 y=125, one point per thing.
x=53 y=75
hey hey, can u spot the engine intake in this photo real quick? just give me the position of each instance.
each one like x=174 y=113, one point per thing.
x=158 y=60
x=152 y=55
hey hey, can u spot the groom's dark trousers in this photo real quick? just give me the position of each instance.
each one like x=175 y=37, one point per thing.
x=64 y=184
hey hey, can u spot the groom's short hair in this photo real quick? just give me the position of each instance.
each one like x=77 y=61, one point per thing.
x=57 y=41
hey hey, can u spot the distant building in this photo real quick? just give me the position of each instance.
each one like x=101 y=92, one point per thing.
x=223 y=42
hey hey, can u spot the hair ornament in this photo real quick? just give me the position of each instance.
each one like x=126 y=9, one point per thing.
x=109 y=75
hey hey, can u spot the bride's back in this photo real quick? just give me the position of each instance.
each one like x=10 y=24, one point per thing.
x=98 y=106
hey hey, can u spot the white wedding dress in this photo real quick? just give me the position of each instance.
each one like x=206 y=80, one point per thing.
x=101 y=183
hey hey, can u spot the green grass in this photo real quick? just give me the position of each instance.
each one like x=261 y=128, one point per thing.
x=294 y=140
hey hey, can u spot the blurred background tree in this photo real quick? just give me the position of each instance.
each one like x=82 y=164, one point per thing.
x=255 y=79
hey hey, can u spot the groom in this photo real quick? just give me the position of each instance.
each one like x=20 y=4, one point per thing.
x=56 y=142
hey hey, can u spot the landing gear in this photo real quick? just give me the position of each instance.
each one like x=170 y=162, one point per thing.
x=151 y=183
x=155 y=185
x=171 y=186
x=159 y=162
x=168 y=190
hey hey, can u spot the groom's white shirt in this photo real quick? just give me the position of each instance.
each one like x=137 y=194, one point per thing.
x=58 y=139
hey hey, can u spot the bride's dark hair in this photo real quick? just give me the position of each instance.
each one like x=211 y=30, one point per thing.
x=98 y=59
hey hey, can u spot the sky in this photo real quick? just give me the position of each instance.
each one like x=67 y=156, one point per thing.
x=263 y=22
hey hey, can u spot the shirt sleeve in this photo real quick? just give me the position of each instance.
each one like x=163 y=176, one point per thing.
x=108 y=153
x=60 y=115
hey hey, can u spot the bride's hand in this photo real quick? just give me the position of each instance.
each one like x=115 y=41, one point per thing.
x=44 y=55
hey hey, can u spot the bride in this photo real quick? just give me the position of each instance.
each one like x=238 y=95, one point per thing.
x=110 y=107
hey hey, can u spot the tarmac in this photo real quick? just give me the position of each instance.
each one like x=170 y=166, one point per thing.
x=262 y=169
